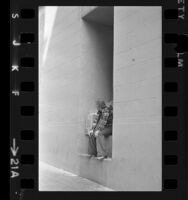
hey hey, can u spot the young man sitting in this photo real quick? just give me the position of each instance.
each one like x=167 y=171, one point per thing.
x=102 y=128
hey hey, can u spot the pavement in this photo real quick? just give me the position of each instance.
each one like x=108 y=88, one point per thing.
x=54 y=179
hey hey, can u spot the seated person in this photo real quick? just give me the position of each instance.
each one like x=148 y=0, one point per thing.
x=102 y=127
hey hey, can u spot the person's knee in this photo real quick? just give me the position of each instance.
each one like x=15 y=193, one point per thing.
x=100 y=134
x=107 y=132
x=92 y=135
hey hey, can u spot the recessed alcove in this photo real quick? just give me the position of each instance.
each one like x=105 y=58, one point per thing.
x=98 y=45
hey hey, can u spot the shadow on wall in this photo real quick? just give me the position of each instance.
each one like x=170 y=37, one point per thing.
x=96 y=78
x=97 y=72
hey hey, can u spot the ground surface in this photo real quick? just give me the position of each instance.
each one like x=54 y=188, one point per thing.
x=53 y=179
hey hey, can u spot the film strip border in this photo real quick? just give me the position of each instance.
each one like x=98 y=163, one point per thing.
x=24 y=91
x=173 y=75
x=24 y=95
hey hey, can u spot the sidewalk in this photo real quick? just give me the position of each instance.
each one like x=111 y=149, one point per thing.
x=54 y=179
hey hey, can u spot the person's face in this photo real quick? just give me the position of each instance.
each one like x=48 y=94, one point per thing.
x=98 y=106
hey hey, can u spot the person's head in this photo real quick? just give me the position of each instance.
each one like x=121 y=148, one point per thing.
x=110 y=104
x=100 y=104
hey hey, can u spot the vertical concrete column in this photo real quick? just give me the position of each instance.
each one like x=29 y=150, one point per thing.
x=138 y=94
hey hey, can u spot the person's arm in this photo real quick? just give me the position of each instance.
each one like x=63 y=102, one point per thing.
x=107 y=131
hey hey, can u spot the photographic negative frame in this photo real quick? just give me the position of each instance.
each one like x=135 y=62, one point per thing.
x=24 y=102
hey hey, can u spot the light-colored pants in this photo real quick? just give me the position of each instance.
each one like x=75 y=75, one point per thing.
x=97 y=146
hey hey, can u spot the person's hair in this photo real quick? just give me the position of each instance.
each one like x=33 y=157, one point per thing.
x=100 y=103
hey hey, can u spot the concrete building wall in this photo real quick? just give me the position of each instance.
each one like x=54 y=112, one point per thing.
x=59 y=92
x=71 y=79
x=96 y=71
x=138 y=95
x=137 y=129
x=77 y=70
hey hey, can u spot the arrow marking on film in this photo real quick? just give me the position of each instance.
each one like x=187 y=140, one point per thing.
x=14 y=149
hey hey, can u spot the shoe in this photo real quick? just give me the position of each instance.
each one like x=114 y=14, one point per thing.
x=91 y=156
x=100 y=157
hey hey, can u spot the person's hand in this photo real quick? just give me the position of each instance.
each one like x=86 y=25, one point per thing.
x=93 y=125
x=90 y=132
x=96 y=133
